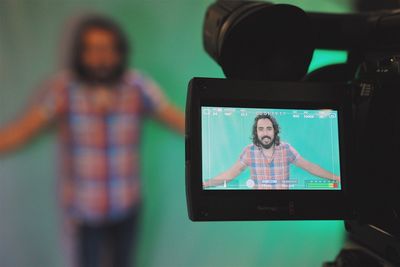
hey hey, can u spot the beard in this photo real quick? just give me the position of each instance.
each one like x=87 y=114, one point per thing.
x=269 y=145
x=101 y=74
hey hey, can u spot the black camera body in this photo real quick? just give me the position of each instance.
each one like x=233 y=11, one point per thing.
x=299 y=100
x=375 y=103
x=265 y=51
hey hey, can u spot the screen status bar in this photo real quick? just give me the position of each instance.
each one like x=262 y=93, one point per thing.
x=294 y=113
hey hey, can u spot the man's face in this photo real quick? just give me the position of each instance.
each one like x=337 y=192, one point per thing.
x=100 y=56
x=265 y=133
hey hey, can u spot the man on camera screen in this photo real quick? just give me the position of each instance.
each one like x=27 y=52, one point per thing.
x=269 y=160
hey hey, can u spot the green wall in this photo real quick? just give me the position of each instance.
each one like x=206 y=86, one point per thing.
x=167 y=42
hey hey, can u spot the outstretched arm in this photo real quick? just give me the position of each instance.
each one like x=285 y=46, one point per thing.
x=316 y=170
x=172 y=117
x=226 y=176
x=17 y=133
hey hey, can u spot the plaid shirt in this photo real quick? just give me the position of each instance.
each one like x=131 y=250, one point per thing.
x=100 y=149
x=270 y=173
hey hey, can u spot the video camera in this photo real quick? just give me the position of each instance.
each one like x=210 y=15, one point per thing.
x=333 y=144
x=343 y=118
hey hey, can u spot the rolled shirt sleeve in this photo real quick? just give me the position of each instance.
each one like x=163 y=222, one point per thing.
x=153 y=98
x=292 y=154
x=245 y=157
x=51 y=99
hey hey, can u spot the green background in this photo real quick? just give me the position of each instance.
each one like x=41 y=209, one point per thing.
x=225 y=137
x=167 y=42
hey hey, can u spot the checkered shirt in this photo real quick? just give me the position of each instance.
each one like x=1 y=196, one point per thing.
x=269 y=173
x=100 y=178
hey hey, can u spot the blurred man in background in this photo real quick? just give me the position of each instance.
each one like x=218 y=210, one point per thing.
x=98 y=106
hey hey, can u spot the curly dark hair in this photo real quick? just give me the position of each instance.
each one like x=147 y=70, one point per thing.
x=275 y=124
x=97 y=21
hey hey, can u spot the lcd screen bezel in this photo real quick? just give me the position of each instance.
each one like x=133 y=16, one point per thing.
x=265 y=204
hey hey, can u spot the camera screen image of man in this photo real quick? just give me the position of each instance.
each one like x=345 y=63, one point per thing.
x=269 y=159
x=98 y=105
